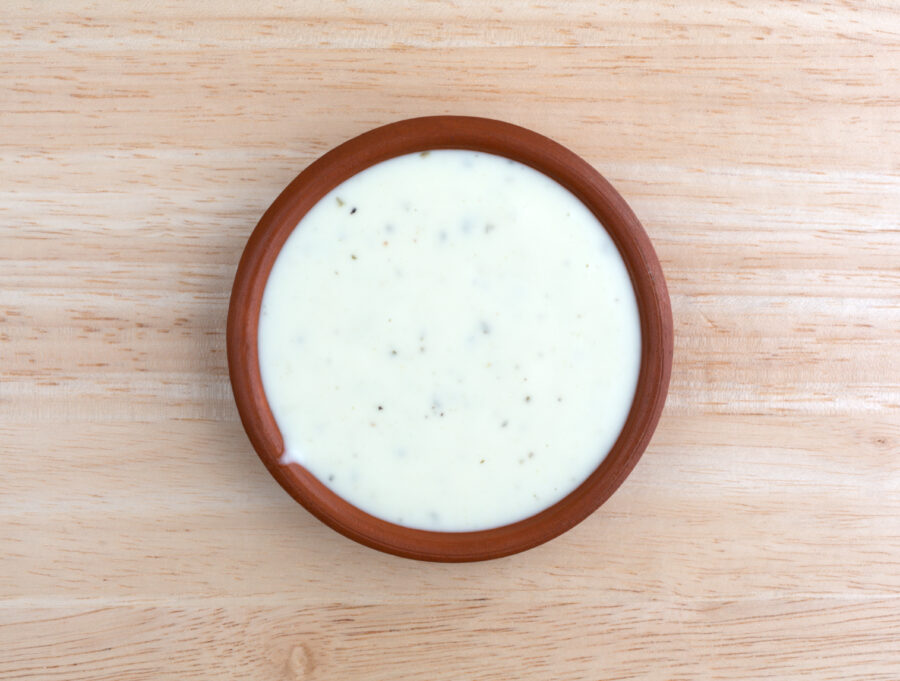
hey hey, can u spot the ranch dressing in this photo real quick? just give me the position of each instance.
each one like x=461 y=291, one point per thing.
x=449 y=341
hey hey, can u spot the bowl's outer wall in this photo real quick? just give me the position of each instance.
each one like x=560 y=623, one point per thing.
x=476 y=134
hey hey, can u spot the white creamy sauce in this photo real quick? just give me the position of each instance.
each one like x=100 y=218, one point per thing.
x=449 y=341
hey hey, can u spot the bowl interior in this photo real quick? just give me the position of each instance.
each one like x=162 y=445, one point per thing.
x=475 y=134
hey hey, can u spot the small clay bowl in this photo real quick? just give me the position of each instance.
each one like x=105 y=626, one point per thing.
x=475 y=134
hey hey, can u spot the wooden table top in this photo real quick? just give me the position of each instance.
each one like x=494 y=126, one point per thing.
x=141 y=538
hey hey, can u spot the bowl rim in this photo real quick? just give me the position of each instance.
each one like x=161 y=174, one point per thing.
x=473 y=134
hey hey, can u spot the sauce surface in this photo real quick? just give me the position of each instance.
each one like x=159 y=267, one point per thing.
x=449 y=341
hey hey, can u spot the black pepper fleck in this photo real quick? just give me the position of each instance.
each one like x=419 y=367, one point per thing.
x=352 y=210
x=330 y=478
x=504 y=424
x=380 y=408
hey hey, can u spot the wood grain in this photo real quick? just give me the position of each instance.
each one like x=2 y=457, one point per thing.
x=759 y=537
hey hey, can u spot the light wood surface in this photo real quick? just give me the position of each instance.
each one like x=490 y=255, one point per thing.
x=758 y=538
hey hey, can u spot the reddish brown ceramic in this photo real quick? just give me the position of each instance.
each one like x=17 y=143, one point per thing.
x=476 y=134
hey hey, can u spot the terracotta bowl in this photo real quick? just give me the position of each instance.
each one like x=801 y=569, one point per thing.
x=476 y=134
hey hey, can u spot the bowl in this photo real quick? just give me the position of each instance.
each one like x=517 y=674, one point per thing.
x=474 y=134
